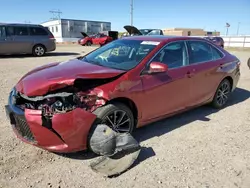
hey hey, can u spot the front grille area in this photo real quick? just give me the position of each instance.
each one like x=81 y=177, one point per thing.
x=22 y=128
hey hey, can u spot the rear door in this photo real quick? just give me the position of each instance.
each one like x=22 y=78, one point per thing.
x=167 y=92
x=205 y=64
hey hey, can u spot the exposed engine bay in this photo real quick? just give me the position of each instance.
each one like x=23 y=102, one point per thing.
x=80 y=95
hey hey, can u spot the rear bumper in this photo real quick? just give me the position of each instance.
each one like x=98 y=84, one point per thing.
x=51 y=46
x=236 y=80
x=69 y=131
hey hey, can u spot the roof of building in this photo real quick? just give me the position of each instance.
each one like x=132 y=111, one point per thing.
x=75 y=20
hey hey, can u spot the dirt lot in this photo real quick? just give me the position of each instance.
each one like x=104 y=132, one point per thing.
x=201 y=148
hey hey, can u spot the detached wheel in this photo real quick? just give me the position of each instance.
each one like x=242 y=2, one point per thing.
x=39 y=50
x=222 y=94
x=117 y=116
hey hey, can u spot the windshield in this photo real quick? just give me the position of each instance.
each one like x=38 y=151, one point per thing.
x=121 y=54
x=145 y=31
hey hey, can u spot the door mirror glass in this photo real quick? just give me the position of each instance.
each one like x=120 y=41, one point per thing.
x=157 y=67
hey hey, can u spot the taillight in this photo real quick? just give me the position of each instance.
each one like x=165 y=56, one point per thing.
x=51 y=36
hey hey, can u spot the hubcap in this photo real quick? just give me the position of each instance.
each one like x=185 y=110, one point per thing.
x=39 y=50
x=223 y=92
x=119 y=121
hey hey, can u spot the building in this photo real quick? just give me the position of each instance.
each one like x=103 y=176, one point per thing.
x=188 y=32
x=68 y=30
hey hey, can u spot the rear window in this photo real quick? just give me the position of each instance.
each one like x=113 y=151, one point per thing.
x=38 y=31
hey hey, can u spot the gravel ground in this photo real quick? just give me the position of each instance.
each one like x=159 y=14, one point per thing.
x=201 y=148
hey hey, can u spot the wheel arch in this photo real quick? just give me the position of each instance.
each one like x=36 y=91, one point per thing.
x=129 y=103
x=230 y=79
x=39 y=44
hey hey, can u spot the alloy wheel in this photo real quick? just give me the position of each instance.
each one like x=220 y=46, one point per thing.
x=39 y=50
x=223 y=93
x=119 y=121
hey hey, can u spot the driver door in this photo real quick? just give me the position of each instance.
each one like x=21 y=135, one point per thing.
x=167 y=92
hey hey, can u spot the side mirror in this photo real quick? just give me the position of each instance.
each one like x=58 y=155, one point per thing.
x=157 y=67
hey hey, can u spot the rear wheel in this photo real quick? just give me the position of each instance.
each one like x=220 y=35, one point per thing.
x=222 y=94
x=39 y=50
x=248 y=63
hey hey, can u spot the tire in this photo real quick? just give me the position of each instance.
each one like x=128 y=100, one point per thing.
x=222 y=94
x=89 y=43
x=104 y=111
x=119 y=109
x=248 y=63
x=38 y=50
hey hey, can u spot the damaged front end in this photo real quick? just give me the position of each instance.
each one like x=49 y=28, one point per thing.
x=59 y=121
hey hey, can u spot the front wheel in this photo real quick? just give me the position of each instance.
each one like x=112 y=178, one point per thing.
x=89 y=43
x=117 y=116
x=222 y=94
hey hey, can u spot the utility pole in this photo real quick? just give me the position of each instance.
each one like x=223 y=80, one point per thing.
x=227 y=26
x=131 y=12
x=56 y=14
x=238 y=28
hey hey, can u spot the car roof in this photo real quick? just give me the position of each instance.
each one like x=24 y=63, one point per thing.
x=19 y=24
x=160 y=38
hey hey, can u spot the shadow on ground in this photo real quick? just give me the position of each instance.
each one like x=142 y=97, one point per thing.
x=46 y=55
x=165 y=126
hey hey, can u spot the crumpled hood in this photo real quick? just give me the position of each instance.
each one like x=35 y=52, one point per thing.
x=54 y=76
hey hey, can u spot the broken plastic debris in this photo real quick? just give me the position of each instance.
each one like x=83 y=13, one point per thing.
x=119 y=151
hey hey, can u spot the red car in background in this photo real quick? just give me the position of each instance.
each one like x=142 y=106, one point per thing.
x=98 y=39
x=125 y=84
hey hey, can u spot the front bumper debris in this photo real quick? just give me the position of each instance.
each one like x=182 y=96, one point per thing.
x=119 y=151
x=69 y=134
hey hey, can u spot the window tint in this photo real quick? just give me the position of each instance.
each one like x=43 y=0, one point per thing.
x=2 y=31
x=56 y=29
x=21 y=31
x=10 y=31
x=174 y=55
x=200 y=52
x=216 y=53
x=37 y=31
x=52 y=29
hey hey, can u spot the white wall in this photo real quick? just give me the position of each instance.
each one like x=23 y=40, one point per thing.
x=54 y=24
x=243 y=42
x=235 y=41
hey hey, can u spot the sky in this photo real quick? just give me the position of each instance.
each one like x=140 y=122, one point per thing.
x=209 y=15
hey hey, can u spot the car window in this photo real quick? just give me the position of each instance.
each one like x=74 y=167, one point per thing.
x=38 y=31
x=216 y=53
x=173 y=55
x=121 y=54
x=155 y=32
x=2 y=31
x=10 y=31
x=200 y=52
x=21 y=31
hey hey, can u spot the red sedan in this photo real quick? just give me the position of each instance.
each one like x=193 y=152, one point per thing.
x=98 y=39
x=125 y=84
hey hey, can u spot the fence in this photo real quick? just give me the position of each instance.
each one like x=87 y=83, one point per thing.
x=241 y=41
